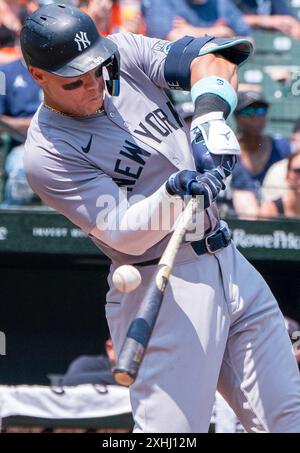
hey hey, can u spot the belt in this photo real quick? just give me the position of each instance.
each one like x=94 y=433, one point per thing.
x=211 y=243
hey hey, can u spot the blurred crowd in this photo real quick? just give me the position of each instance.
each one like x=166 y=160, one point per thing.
x=266 y=181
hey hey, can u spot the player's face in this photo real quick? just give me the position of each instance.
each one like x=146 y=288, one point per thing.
x=295 y=141
x=76 y=96
x=293 y=174
x=252 y=119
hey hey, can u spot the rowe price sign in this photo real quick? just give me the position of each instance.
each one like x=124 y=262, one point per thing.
x=49 y=232
x=279 y=239
x=266 y=240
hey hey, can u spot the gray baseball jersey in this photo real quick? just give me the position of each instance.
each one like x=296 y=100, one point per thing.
x=219 y=323
x=137 y=143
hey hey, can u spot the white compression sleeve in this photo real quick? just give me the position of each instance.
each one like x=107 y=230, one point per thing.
x=134 y=227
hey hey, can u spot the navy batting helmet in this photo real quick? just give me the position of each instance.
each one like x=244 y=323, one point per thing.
x=64 y=40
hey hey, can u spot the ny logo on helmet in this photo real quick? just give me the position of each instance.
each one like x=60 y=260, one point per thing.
x=82 y=41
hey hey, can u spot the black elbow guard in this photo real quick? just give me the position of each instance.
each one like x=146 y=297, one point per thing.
x=185 y=50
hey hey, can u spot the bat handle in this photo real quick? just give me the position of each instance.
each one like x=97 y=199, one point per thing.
x=129 y=362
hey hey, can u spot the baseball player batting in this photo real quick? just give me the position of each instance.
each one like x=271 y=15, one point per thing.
x=108 y=150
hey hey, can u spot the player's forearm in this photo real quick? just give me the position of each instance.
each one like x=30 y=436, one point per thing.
x=214 y=83
x=245 y=204
x=19 y=124
x=136 y=228
x=255 y=20
x=221 y=31
x=213 y=65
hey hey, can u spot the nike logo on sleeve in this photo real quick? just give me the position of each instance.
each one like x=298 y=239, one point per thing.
x=86 y=149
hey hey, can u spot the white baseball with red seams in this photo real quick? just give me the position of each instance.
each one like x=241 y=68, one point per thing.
x=126 y=278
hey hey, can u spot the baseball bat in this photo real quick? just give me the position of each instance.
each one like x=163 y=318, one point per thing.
x=140 y=329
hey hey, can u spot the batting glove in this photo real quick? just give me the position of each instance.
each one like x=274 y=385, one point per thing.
x=218 y=136
x=188 y=182
x=205 y=160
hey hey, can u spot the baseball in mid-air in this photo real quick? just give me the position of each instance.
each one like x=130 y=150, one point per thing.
x=126 y=278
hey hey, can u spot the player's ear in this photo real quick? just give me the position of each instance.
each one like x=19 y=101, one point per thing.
x=38 y=75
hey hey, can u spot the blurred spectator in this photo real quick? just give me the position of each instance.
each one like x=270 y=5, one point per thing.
x=105 y=15
x=8 y=50
x=173 y=19
x=10 y=14
x=289 y=204
x=17 y=191
x=274 y=184
x=18 y=105
x=111 y=16
x=270 y=15
x=92 y=369
x=22 y=97
x=131 y=17
x=295 y=139
x=258 y=152
x=10 y=25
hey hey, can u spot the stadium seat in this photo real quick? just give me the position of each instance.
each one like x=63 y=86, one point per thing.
x=275 y=48
x=295 y=6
